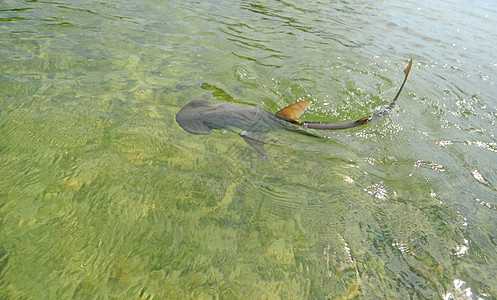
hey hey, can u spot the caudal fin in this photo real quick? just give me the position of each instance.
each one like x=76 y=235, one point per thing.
x=292 y=112
x=351 y=124
x=406 y=71
x=392 y=105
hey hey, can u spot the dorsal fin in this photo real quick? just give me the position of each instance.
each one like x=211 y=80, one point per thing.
x=292 y=112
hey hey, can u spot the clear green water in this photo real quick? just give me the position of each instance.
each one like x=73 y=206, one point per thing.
x=103 y=195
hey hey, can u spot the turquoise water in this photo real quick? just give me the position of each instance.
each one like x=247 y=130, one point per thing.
x=103 y=195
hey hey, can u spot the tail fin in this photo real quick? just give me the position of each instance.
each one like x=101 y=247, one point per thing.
x=388 y=110
x=350 y=124
x=406 y=71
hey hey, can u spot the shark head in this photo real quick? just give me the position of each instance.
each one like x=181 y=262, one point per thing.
x=190 y=117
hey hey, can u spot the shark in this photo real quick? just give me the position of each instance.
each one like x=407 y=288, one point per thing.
x=200 y=117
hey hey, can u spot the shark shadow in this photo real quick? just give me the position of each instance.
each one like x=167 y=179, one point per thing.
x=199 y=117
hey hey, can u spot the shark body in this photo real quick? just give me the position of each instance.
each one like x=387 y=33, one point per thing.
x=199 y=117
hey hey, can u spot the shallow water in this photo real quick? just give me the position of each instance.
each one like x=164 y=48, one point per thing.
x=103 y=195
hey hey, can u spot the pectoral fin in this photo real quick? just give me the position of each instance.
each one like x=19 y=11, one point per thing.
x=256 y=141
x=292 y=112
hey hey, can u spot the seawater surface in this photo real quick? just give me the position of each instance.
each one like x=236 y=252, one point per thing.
x=103 y=195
